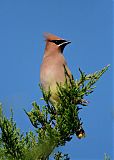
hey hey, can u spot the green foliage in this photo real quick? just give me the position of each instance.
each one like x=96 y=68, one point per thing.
x=60 y=156
x=106 y=157
x=13 y=145
x=54 y=124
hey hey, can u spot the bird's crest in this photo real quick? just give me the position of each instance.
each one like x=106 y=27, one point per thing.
x=49 y=36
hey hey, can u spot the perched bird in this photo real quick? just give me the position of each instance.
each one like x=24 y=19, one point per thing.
x=53 y=67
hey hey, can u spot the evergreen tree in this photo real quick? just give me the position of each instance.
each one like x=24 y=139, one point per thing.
x=54 y=126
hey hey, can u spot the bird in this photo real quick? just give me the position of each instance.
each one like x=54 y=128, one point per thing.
x=52 y=70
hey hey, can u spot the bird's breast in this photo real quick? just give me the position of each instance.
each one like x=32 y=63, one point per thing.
x=52 y=71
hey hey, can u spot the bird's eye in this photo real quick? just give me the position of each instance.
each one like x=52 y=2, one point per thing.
x=56 y=41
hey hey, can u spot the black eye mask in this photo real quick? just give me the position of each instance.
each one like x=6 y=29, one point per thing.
x=58 y=42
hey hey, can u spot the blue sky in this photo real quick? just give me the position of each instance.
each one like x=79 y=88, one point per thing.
x=88 y=24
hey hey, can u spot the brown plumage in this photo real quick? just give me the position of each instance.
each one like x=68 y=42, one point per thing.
x=52 y=67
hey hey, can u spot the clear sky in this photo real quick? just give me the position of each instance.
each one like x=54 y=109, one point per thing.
x=88 y=24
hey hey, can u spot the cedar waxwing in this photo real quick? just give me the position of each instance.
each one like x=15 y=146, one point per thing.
x=52 y=68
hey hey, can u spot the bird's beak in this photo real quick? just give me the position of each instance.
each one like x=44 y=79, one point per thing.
x=67 y=42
